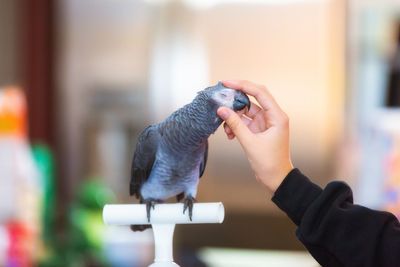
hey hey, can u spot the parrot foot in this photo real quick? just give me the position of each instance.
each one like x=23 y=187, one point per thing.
x=150 y=204
x=188 y=204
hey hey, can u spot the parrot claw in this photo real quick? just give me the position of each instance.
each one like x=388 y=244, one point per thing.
x=188 y=204
x=150 y=204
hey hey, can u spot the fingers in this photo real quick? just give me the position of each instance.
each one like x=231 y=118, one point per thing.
x=261 y=94
x=254 y=109
x=229 y=131
x=235 y=123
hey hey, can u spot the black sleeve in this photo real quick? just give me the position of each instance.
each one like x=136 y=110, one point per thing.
x=333 y=229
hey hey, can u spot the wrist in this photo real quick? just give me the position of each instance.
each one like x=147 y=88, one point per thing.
x=276 y=179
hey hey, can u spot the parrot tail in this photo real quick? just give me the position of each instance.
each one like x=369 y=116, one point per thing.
x=140 y=227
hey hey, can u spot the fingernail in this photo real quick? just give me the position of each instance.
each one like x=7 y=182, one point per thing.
x=223 y=113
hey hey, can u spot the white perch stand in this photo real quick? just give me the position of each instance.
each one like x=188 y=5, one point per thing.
x=163 y=220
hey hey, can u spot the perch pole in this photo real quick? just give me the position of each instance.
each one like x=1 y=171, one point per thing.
x=163 y=220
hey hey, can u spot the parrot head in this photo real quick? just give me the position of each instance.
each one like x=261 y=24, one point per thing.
x=227 y=97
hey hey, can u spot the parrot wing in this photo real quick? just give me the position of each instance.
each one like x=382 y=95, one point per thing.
x=143 y=158
x=204 y=162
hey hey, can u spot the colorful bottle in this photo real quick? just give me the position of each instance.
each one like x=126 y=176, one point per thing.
x=20 y=188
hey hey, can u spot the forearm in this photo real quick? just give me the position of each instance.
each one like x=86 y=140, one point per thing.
x=334 y=230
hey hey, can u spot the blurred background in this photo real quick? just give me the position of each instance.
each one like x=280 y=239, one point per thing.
x=79 y=80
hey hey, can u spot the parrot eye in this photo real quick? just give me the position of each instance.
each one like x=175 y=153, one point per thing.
x=223 y=95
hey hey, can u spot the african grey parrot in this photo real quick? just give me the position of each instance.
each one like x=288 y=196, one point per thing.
x=171 y=156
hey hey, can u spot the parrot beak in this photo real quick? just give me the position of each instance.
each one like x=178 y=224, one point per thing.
x=241 y=101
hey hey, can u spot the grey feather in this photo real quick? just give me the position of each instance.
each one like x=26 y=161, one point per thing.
x=143 y=158
x=204 y=162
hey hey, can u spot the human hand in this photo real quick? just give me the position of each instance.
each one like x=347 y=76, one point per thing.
x=263 y=134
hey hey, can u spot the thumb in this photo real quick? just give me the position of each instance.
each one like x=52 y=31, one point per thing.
x=236 y=124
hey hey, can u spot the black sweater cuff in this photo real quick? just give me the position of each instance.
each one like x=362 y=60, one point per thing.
x=295 y=194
